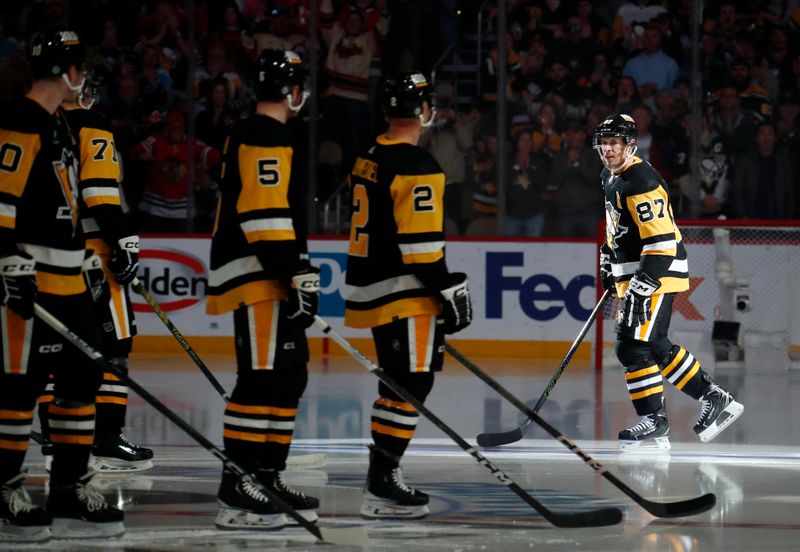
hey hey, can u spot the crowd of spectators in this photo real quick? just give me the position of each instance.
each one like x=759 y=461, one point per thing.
x=569 y=64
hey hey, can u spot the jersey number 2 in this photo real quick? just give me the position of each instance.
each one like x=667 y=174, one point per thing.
x=359 y=239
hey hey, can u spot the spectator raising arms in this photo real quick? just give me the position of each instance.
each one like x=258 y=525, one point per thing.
x=165 y=201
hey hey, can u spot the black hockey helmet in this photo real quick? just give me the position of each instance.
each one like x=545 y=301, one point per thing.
x=276 y=72
x=52 y=52
x=621 y=125
x=404 y=94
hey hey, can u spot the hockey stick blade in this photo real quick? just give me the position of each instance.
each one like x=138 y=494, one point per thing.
x=489 y=440
x=682 y=508
x=594 y=518
x=507 y=437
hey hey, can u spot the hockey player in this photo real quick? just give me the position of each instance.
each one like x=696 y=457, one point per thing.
x=41 y=257
x=398 y=284
x=644 y=262
x=109 y=235
x=260 y=271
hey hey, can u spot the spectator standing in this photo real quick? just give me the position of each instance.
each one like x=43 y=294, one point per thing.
x=546 y=138
x=164 y=203
x=764 y=186
x=575 y=171
x=652 y=69
x=450 y=141
x=734 y=125
x=213 y=124
x=484 y=200
x=527 y=179
x=629 y=15
x=788 y=121
x=627 y=95
x=350 y=52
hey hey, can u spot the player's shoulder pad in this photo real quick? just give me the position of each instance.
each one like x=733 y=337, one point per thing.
x=25 y=115
x=260 y=130
x=87 y=118
x=640 y=178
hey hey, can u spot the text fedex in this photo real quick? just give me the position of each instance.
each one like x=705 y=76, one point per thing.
x=541 y=296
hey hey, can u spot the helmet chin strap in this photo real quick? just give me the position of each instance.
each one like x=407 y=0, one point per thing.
x=73 y=87
x=303 y=97
x=427 y=124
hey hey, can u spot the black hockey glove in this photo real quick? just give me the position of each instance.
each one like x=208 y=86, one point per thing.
x=634 y=308
x=606 y=275
x=303 y=301
x=18 y=283
x=124 y=263
x=456 y=303
x=95 y=277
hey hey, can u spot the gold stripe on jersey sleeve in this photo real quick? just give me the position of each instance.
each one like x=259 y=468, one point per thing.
x=60 y=284
x=17 y=152
x=98 y=155
x=402 y=308
x=650 y=211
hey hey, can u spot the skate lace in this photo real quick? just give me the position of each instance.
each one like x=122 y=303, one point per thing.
x=17 y=499
x=705 y=404
x=645 y=423
x=91 y=497
x=254 y=491
x=281 y=484
x=397 y=477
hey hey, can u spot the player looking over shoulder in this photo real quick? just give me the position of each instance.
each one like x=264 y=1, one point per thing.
x=644 y=262
x=398 y=284
x=260 y=271
x=41 y=262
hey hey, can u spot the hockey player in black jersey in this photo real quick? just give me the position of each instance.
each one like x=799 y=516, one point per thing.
x=260 y=271
x=644 y=262
x=398 y=284
x=41 y=260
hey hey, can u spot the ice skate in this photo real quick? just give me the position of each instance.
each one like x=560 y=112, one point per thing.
x=718 y=410
x=305 y=505
x=651 y=434
x=117 y=454
x=243 y=505
x=387 y=496
x=20 y=519
x=80 y=511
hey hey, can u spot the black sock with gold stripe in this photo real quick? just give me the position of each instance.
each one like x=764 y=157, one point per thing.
x=682 y=370
x=15 y=429
x=278 y=437
x=72 y=433
x=112 y=403
x=393 y=425
x=244 y=433
x=645 y=387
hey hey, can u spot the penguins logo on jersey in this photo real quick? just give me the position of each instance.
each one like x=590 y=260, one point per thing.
x=67 y=174
x=614 y=229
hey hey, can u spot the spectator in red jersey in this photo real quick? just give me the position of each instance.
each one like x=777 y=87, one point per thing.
x=165 y=201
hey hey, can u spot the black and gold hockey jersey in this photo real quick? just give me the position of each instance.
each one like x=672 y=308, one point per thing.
x=39 y=195
x=102 y=219
x=640 y=229
x=258 y=216
x=396 y=257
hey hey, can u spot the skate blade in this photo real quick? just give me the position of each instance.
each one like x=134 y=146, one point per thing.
x=656 y=445
x=308 y=515
x=231 y=518
x=374 y=507
x=307 y=461
x=23 y=534
x=725 y=418
x=69 y=528
x=107 y=464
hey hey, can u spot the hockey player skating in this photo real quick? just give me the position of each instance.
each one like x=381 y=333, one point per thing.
x=260 y=271
x=398 y=284
x=644 y=262
x=41 y=257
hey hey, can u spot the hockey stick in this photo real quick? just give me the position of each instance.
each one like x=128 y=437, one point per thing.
x=594 y=518
x=506 y=437
x=141 y=290
x=307 y=461
x=681 y=508
x=229 y=464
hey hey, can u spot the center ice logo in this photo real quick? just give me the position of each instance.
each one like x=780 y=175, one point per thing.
x=176 y=280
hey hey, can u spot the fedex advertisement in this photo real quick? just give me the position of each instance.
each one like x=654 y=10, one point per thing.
x=538 y=291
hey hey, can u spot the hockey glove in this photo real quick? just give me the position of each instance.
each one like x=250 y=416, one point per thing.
x=634 y=308
x=456 y=304
x=18 y=283
x=606 y=275
x=303 y=300
x=95 y=276
x=124 y=263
